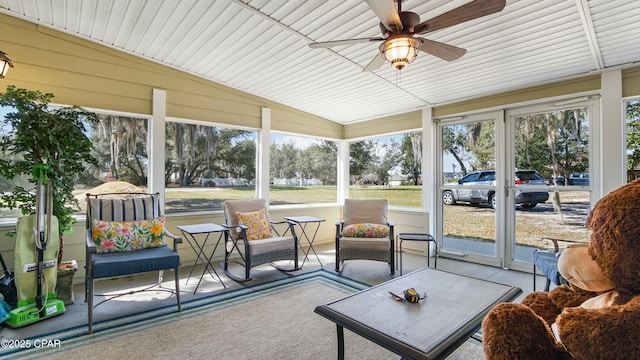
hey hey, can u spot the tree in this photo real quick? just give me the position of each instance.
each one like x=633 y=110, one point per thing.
x=319 y=161
x=361 y=155
x=453 y=139
x=481 y=142
x=283 y=160
x=197 y=151
x=120 y=146
x=388 y=160
x=554 y=142
x=633 y=135
x=411 y=150
x=36 y=136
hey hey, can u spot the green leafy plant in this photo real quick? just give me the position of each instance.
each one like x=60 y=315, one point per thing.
x=35 y=134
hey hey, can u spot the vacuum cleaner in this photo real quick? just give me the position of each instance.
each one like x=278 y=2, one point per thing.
x=36 y=251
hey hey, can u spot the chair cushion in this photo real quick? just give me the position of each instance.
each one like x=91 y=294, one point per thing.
x=359 y=211
x=133 y=262
x=382 y=244
x=117 y=236
x=366 y=230
x=263 y=246
x=256 y=223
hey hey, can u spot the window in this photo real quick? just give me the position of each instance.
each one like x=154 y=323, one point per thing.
x=633 y=139
x=555 y=144
x=387 y=167
x=120 y=148
x=207 y=164
x=303 y=170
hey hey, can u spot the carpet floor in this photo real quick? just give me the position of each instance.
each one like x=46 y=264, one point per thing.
x=272 y=320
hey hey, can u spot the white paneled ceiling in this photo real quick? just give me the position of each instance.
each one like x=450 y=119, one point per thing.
x=261 y=46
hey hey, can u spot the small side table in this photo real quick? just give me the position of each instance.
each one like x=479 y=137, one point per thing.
x=190 y=232
x=418 y=237
x=303 y=221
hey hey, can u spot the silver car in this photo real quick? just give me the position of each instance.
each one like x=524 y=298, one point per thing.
x=526 y=199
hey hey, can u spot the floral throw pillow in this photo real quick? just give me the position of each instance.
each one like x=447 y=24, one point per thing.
x=366 y=230
x=256 y=222
x=117 y=236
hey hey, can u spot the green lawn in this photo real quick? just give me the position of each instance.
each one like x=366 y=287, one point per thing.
x=178 y=199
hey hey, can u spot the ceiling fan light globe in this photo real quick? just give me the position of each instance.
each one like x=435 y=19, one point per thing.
x=400 y=51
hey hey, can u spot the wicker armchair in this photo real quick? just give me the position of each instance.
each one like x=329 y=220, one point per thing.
x=364 y=233
x=254 y=238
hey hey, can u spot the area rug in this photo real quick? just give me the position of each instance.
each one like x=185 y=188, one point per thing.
x=273 y=320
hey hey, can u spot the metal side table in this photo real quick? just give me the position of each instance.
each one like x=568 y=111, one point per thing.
x=303 y=221
x=417 y=237
x=190 y=232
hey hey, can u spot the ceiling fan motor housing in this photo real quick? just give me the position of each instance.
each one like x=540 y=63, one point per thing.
x=409 y=20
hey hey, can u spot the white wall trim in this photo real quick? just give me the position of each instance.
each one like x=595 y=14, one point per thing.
x=429 y=152
x=343 y=171
x=264 y=141
x=155 y=176
x=612 y=133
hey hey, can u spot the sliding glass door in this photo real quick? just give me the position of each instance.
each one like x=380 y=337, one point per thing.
x=468 y=188
x=550 y=193
x=509 y=179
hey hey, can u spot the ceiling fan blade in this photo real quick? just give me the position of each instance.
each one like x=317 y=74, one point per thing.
x=470 y=11
x=387 y=13
x=441 y=50
x=324 y=44
x=375 y=64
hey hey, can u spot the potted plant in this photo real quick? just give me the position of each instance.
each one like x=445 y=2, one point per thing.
x=34 y=134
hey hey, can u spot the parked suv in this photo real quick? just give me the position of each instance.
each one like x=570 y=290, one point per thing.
x=526 y=199
x=579 y=179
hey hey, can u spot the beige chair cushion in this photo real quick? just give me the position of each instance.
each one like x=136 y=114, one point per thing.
x=262 y=246
x=358 y=211
x=365 y=243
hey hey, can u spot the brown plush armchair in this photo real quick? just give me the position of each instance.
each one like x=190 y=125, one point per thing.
x=365 y=233
x=254 y=238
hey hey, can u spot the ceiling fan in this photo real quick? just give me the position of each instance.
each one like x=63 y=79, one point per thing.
x=400 y=45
